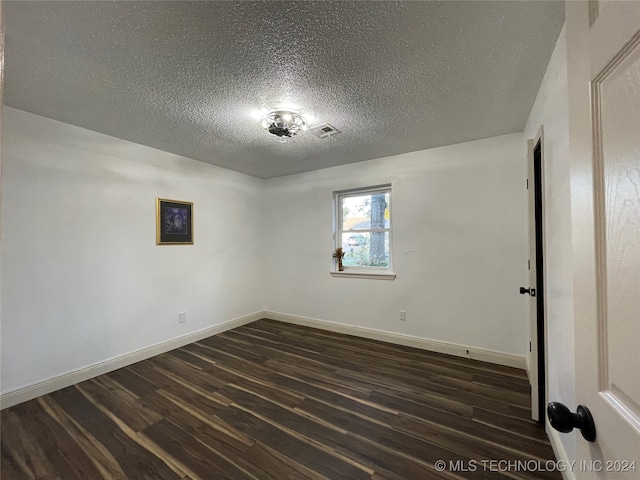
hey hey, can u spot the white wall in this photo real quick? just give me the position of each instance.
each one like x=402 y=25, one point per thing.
x=550 y=111
x=459 y=246
x=82 y=278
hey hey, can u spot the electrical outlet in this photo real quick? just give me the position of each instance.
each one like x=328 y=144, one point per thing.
x=182 y=317
x=403 y=315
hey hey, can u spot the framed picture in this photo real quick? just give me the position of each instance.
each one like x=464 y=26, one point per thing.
x=174 y=222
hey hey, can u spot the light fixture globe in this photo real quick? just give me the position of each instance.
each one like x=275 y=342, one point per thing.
x=284 y=123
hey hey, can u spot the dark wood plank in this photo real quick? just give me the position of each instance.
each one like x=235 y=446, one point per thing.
x=134 y=384
x=267 y=464
x=488 y=392
x=303 y=426
x=257 y=459
x=396 y=387
x=388 y=465
x=520 y=385
x=426 y=452
x=28 y=454
x=526 y=445
x=104 y=461
x=66 y=457
x=207 y=429
x=314 y=392
x=119 y=402
x=473 y=447
x=204 y=402
x=317 y=459
x=323 y=378
x=196 y=457
x=246 y=353
x=525 y=428
x=9 y=467
x=230 y=361
x=134 y=459
x=179 y=370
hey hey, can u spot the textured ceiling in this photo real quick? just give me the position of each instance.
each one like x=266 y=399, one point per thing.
x=190 y=77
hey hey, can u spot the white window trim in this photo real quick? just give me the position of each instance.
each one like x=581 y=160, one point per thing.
x=387 y=275
x=373 y=273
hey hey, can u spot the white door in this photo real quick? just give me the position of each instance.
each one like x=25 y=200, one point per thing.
x=604 y=84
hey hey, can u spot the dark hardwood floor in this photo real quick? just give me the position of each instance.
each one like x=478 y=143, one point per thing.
x=276 y=401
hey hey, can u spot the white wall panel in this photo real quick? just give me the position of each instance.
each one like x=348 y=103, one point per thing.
x=459 y=246
x=82 y=278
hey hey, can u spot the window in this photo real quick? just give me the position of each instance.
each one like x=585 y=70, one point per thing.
x=363 y=229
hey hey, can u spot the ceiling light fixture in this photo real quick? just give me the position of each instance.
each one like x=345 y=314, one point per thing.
x=284 y=123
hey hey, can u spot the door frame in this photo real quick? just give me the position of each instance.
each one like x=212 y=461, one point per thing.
x=538 y=351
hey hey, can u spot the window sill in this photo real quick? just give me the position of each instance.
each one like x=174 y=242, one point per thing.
x=360 y=274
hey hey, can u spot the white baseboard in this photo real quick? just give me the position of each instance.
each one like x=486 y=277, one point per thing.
x=491 y=356
x=52 y=384
x=559 y=451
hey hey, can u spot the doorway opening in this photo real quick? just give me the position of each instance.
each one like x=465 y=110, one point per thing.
x=539 y=275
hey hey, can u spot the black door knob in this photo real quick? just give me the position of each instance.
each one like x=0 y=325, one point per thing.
x=524 y=290
x=564 y=421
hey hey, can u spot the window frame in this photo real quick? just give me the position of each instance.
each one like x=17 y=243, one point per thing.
x=363 y=270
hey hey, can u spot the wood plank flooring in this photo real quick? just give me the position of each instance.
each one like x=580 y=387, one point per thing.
x=273 y=401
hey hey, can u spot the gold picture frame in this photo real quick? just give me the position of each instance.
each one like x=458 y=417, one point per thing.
x=174 y=222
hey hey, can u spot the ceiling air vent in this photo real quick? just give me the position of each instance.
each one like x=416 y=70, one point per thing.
x=323 y=131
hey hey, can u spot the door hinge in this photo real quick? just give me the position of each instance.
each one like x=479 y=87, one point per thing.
x=529 y=264
x=529 y=346
x=527 y=184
